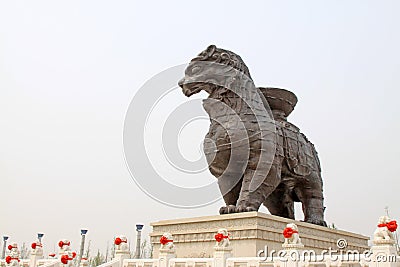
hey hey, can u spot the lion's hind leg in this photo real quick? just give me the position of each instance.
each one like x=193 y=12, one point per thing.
x=280 y=203
x=311 y=197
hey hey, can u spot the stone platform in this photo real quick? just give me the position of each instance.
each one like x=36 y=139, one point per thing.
x=249 y=232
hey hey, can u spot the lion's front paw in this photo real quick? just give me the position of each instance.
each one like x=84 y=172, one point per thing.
x=316 y=221
x=227 y=209
x=245 y=208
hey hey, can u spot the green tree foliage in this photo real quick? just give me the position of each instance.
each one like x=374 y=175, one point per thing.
x=97 y=260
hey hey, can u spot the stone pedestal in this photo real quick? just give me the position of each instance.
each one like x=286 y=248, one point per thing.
x=250 y=232
x=164 y=256
x=221 y=255
x=121 y=255
x=35 y=255
x=384 y=255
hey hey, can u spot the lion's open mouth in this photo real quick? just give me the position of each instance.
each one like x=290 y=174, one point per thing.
x=190 y=89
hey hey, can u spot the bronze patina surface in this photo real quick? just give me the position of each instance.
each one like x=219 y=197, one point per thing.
x=276 y=165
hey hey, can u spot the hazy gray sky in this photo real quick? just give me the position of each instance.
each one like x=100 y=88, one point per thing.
x=68 y=71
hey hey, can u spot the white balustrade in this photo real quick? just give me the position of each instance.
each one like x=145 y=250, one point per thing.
x=383 y=253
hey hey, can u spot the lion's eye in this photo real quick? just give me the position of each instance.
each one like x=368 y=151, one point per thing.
x=195 y=69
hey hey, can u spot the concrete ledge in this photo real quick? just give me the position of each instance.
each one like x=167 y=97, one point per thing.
x=249 y=233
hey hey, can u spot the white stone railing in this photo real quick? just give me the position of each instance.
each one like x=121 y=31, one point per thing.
x=48 y=263
x=249 y=261
x=192 y=262
x=382 y=254
x=141 y=263
x=113 y=263
x=222 y=258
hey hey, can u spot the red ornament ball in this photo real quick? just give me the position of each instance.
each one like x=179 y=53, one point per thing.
x=117 y=241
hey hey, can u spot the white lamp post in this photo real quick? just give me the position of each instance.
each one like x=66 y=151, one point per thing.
x=3 y=255
x=83 y=235
x=139 y=228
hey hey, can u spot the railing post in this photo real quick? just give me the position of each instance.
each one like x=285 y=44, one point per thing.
x=66 y=256
x=36 y=254
x=167 y=250
x=222 y=248
x=221 y=255
x=292 y=247
x=164 y=257
x=383 y=255
x=384 y=251
x=121 y=249
x=13 y=257
x=121 y=255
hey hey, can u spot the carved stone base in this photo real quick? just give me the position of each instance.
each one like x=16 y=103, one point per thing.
x=167 y=251
x=292 y=246
x=250 y=232
x=221 y=255
x=384 y=256
x=225 y=249
x=383 y=242
x=117 y=251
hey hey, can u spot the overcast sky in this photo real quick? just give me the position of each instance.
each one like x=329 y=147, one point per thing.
x=68 y=71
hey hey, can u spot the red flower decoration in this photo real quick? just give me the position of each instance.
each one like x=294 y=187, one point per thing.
x=10 y=247
x=52 y=254
x=218 y=237
x=288 y=232
x=64 y=259
x=164 y=240
x=33 y=246
x=392 y=226
x=117 y=241
x=61 y=244
x=9 y=259
x=73 y=254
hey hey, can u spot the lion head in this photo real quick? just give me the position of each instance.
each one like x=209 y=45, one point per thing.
x=292 y=226
x=223 y=231
x=64 y=245
x=383 y=219
x=210 y=69
x=168 y=236
x=121 y=242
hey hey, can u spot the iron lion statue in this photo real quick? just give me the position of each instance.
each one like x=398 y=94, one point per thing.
x=256 y=154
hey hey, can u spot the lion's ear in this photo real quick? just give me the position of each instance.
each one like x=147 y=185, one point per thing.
x=210 y=50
